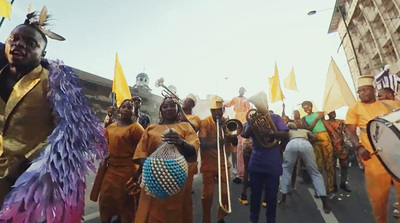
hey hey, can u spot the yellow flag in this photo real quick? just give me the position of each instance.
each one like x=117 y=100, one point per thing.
x=337 y=91
x=275 y=92
x=120 y=86
x=290 y=81
x=5 y=8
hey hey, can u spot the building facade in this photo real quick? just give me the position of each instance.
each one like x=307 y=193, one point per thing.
x=98 y=92
x=370 y=34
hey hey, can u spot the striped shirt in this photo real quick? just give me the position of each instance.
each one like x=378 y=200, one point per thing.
x=386 y=80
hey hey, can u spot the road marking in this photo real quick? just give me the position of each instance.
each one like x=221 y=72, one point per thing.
x=91 y=216
x=329 y=218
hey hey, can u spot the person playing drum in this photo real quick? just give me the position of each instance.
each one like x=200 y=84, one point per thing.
x=378 y=180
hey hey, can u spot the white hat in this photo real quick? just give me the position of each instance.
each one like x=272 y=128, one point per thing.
x=216 y=102
x=193 y=97
x=365 y=80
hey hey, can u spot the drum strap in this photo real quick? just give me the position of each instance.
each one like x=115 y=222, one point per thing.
x=388 y=106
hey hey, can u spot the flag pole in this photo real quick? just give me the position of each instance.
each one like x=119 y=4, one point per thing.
x=2 y=19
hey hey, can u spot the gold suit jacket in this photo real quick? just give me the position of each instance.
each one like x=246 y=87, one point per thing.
x=28 y=120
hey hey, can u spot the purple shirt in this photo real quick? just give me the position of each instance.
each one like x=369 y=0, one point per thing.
x=267 y=161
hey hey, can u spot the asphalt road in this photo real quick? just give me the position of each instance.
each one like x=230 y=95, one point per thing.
x=301 y=206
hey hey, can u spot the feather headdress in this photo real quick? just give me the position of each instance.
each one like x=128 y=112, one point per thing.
x=39 y=21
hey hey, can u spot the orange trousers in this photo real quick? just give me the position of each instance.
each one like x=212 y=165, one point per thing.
x=378 y=182
x=208 y=194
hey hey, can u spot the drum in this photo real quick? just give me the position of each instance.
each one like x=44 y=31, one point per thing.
x=384 y=136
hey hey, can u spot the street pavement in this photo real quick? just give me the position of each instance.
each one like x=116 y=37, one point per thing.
x=301 y=206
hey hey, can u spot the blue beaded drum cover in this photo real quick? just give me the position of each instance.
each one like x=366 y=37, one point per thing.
x=164 y=172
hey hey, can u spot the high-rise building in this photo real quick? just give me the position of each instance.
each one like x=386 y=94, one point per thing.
x=370 y=34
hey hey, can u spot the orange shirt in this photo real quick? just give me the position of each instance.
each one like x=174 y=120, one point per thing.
x=240 y=106
x=171 y=208
x=195 y=120
x=122 y=140
x=361 y=113
x=209 y=157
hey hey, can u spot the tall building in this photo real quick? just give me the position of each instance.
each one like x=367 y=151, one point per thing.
x=370 y=34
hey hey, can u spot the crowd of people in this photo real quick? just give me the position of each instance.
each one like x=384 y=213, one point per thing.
x=51 y=136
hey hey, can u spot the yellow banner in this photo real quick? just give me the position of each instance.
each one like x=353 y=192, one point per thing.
x=5 y=9
x=120 y=86
x=290 y=81
x=275 y=92
x=337 y=91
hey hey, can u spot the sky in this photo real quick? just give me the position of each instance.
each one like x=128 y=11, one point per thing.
x=200 y=47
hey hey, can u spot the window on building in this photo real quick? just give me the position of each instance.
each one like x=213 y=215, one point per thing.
x=90 y=86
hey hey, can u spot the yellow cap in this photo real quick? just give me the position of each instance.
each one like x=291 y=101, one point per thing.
x=366 y=80
x=216 y=102
x=191 y=96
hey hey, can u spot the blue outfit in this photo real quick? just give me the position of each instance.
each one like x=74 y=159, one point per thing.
x=265 y=167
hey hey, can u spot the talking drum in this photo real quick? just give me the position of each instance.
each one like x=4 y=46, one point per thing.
x=384 y=135
x=164 y=172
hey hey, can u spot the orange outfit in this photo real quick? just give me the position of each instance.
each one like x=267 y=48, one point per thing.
x=155 y=210
x=378 y=180
x=209 y=169
x=240 y=106
x=114 y=199
x=188 y=203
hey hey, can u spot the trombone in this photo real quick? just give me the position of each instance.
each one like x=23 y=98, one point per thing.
x=227 y=209
x=167 y=92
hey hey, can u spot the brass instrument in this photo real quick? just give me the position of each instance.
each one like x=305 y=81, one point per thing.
x=227 y=209
x=167 y=92
x=232 y=127
x=260 y=120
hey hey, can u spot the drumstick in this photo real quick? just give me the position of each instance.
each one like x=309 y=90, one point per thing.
x=378 y=149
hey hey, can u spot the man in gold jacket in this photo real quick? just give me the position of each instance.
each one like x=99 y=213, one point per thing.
x=28 y=114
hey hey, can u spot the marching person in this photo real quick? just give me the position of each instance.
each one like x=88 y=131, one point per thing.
x=110 y=117
x=188 y=104
x=209 y=158
x=240 y=106
x=386 y=94
x=340 y=152
x=265 y=165
x=123 y=137
x=247 y=148
x=49 y=134
x=299 y=145
x=377 y=179
x=170 y=209
x=323 y=146
x=142 y=118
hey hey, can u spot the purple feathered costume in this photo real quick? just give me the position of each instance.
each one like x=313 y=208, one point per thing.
x=52 y=189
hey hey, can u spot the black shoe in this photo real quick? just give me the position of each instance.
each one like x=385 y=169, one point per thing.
x=345 y=187
x=237 y=180
x=325 y=205
x=330 y=195
x=243 y=199
x=221 y=221
x=326 y=208
x=282 y=203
